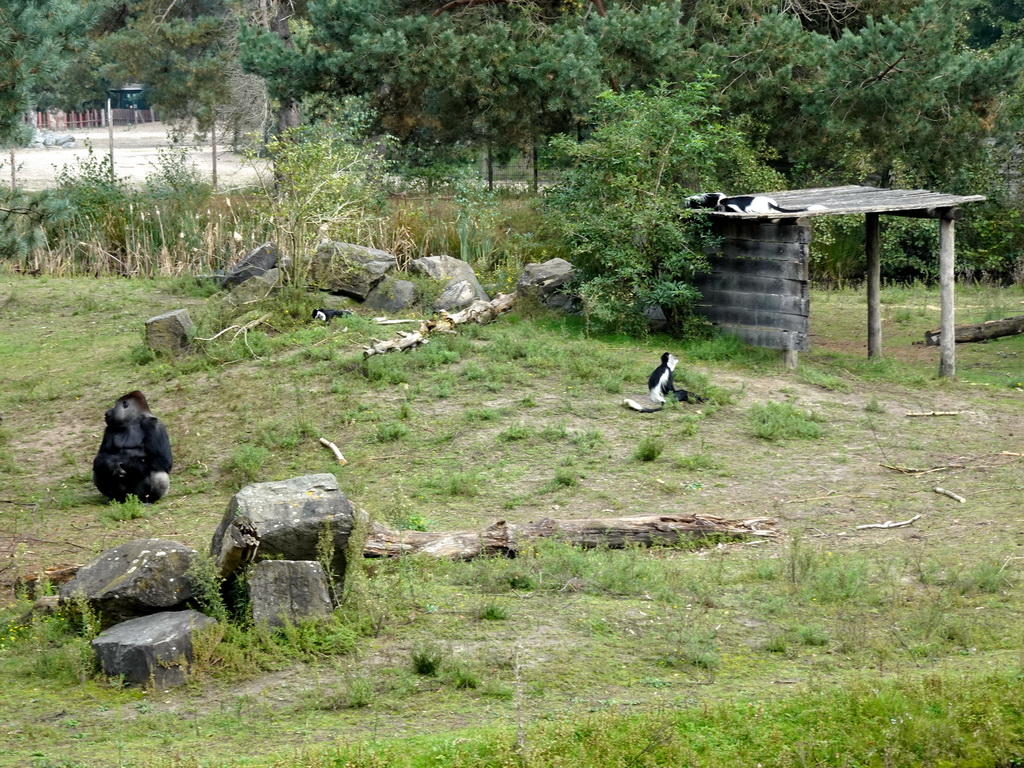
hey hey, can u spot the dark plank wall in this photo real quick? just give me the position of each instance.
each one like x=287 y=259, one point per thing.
x=758 y=285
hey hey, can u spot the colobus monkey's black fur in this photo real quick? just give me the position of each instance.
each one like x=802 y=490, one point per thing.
x=135 y=455
x=662 y=385
x=722 y=203
x=329 y=314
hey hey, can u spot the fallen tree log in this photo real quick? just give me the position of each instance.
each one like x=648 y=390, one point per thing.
x=504 y=538
x=993 y=329
x=479 y=311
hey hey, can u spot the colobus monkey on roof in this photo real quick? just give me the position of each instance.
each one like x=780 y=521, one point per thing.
x=662 y=385
x=719 y=201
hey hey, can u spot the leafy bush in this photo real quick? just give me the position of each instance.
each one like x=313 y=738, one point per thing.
x=781 y=421
x=324 y=185
x=622 y=205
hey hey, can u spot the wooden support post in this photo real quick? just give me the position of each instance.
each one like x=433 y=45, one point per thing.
x=874 y=248
x=110 y=138
x=213 y=154
x=947 y=342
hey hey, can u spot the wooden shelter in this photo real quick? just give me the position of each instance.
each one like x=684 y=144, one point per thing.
x=757 y=288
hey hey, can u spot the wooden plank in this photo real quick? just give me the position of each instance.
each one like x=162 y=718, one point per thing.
x=752 y=284
x=740 y=229
x=769 y=302
x=735 y=316
x=768 y=337
x=790 y=269
x=760 y=249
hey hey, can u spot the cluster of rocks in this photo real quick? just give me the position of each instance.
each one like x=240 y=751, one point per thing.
x=50 y=139
x=371 y=277
x=149 y=599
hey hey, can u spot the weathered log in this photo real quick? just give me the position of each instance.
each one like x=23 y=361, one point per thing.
x=478 y=312
x=992 y=329
x=404 y=341
x=239 y=545
x=504 y=538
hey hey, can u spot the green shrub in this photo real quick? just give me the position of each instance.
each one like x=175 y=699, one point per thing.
x=783 y=421
x=649 y=448
x=428 y=658
x=621 y=205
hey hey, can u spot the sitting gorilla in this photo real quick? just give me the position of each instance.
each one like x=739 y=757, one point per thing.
x=135 y=455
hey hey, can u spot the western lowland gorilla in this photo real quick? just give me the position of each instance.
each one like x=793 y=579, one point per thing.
x=662 y=386
x=135 y=455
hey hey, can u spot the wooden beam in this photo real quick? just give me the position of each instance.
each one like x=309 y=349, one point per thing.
x=873 y=241
x=947 y=343
x=929 y=213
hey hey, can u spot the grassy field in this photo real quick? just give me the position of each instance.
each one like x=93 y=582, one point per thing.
x=832 y=645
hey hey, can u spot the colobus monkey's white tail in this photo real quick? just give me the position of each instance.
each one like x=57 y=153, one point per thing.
x=637 y=407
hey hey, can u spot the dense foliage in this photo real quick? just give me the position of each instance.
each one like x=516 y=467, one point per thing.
x=897 y=95
x=621 y=207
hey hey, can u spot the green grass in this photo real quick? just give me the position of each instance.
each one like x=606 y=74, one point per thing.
x=850 y=646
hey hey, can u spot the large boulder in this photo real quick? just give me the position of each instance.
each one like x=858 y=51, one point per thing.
x=546 y=282
x=288 y=517
x=170 y=332
x=288 y=591
x=152 y=650
x=352 y=270
x=460 y=285
x=256 y=288
x=253 y=264
x=134 y=579
x=391 y=296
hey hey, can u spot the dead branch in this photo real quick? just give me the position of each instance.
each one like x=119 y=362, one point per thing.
x=934 y=413
x=913 y=471
x=890 y=524
x=334 y=448
x=478 y=312
x=951 y=495
x=504 y=538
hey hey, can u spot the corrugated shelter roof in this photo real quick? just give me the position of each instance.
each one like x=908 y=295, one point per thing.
x=858 y=199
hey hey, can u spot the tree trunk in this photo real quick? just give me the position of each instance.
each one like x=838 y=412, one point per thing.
x=993 y=329
x=288 y=111
x=504 y=538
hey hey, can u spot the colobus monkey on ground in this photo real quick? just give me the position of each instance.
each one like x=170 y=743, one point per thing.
x=722 y=203
x=661 y=384
x=135 y=455
x=329 y=314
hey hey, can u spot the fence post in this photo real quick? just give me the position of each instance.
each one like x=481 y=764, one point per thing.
x=213 y=147
x=536 y=176
x=14 y=174
x=490 y=169
x=110 y=136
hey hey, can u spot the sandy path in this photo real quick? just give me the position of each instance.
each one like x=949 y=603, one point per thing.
x=136 y=154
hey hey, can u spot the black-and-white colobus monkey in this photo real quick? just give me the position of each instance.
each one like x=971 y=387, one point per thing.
x=718 y=201
x=135 y=455
x=329 y=314
x=662 y=386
